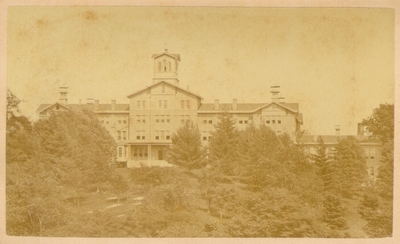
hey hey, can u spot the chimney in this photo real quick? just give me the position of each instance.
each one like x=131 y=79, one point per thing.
x=275 y=93
x=337 y=129
x=216 y=104
x=360 y=129
x=89 y=100
x=113 y=105
x=96 y=105
x=63 y=95
x=234 y=104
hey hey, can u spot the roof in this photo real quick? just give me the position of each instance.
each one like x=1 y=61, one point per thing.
x=175 y=56
x=247 y=107
x=148 y=87
x=78 y=107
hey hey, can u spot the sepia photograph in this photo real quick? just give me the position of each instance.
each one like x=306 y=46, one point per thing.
x=199 y=122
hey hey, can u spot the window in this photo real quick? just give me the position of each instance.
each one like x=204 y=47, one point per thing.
x=205 y=135
x=119 y=135
x=159 y=103
x=167 y=119
x=157 y=135
x=165 y=104
x=163 y=89
x=157 y=119
x=143 y=134
x=102 y=121
x=138 y=119
x=144 y=104
x=187 y=117
x=124 y=135
x=144 y=119
x=167 y=136
x=240 y=121
x=245 y=121
x=138 y=135
x=372 y=170
x=107 y=122
x=162 y=118
x=279 y=121
x=210 y=122
x=268 y=121
x=169 y=66
x=119 y=121
x=182 y=119
x=205 y=121
x=159 y=66
x=273 y=121
x=119 y=151
x=187 y=104
x=138 y=104
x=124 y=121
x=372 y=153
x=182 y=104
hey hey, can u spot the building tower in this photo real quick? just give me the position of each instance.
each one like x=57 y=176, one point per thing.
x=166 y=68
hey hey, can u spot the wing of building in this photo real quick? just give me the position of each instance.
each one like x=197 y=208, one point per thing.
x=143 y=128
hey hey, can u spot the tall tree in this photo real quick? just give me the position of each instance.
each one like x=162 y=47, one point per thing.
x=351 y=166
x=381 y=122
x=223 y=144
x=187 y=150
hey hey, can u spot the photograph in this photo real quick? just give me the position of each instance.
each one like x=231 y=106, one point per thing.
x=199 y=122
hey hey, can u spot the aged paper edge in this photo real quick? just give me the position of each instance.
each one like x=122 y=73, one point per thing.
x=392 y=4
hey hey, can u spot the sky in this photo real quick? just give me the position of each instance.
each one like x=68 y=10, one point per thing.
x=338 y=64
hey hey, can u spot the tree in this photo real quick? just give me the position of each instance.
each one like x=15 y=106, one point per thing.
x=187 y=150
x=59 y=155
x=223 y=144
x=350 y=166
x=334 y=212
x=381 y=122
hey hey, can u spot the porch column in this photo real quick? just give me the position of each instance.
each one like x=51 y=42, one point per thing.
x=128 y=152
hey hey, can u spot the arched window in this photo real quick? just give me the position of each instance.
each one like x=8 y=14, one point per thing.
x=165 y=65
x=159 y=66
x=169 y=66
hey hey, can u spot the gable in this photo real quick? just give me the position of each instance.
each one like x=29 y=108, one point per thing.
x=47 y=107
x=148 y=90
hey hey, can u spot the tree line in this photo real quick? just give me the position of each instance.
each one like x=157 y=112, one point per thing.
x=250 y=183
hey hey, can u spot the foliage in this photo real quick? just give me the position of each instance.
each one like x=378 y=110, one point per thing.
x=54 y=160
x=223 y=145
x=334 y=212
x=350 y=166
x=381 y=122
x=187 y=150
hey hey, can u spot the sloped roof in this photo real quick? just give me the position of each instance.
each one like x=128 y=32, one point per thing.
x=176 y=56
x=78 y=107
x=148 y=87
x=246 y=107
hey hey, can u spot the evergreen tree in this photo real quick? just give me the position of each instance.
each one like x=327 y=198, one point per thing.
x=350 y=166
x=187 y=150
x=223 y=145
x=334 y=212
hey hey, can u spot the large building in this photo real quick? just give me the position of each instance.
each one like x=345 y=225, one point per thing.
x=143 y=128
x=372 y=147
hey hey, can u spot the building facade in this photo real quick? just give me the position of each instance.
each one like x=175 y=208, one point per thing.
x=372 y=147
x=143 y=128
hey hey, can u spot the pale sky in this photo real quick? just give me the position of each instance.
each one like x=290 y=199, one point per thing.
x=338 y=64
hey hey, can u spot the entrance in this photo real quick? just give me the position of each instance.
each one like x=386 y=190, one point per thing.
x=160 y=154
